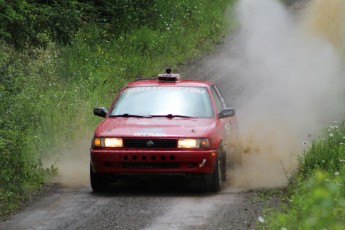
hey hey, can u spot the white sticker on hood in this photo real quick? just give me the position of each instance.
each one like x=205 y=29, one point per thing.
x=150 y=132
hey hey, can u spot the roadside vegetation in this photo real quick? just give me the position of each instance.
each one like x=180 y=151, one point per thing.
x=315 y=196
x=60 y=58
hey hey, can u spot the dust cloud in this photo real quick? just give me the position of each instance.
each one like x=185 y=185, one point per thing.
x=292 y=68
x=326 y=19
x=73 y=165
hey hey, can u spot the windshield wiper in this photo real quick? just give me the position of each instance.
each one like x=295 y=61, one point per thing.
x=172 y=115
x=148 y=116
x=128 y=115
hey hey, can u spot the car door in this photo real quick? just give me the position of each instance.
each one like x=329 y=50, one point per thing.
x=229 y=124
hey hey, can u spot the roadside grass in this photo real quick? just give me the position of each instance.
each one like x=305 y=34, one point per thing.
x=21 y=122
x=316 y=194
x=47 y=95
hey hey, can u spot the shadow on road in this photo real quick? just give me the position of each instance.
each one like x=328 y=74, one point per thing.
x=164 y=186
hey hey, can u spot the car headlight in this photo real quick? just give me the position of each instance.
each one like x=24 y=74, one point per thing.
x=108 y=142
x=193 y=143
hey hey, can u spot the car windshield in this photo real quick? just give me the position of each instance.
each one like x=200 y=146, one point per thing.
x=170 y=101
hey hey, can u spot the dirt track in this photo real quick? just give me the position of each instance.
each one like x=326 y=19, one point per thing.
x=160 y=204
x=143 y=206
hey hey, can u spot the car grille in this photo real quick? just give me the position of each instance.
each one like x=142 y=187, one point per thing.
x=150 y=143
x=150 y=165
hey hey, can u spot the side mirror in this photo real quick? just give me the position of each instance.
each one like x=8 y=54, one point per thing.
x=227 y=112
x=100 y=111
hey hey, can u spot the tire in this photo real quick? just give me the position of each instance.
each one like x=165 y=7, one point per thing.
x=215 y=180
x=224 y=167
x=98 y=181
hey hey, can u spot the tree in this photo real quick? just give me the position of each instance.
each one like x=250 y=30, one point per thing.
x=26 y=23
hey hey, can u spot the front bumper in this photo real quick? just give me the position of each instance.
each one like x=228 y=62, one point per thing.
x=153 y=161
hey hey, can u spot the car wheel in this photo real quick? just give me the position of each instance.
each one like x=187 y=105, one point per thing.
x=215 y=180
x=98 y=181
x=223 y=165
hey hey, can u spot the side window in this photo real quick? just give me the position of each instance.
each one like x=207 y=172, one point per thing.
x=222 y=100
x=216 y=99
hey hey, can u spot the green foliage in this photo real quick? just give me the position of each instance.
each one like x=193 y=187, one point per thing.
x=327 y=154
x=21 y=168
x=10 y=12
x=123 y=16
x=317 y=203
x=317 y=193
x=146 y=51
x=25 y=23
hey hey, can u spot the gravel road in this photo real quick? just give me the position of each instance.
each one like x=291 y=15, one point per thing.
x=162 y=204
x=141 y=206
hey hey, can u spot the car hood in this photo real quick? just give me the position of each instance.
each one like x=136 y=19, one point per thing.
x=154 y=127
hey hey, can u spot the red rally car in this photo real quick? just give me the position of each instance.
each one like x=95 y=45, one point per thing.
x=163 y=126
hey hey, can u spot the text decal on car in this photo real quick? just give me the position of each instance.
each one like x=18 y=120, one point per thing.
x=155 y=132
x=170 y=88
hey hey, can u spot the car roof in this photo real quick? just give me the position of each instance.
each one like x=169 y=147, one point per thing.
x=156 y=82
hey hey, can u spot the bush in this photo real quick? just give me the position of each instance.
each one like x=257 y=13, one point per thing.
x=317 y=192
x=20 y=161
x=327 y=153
x=317 y=203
